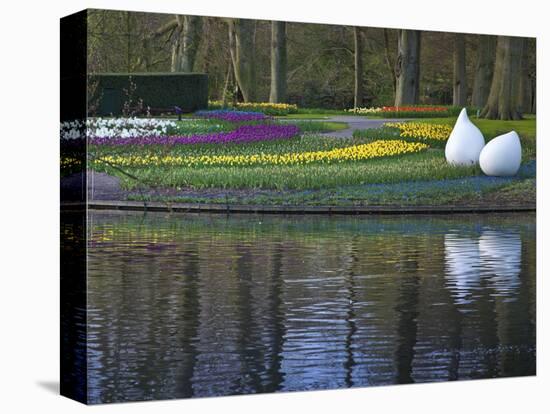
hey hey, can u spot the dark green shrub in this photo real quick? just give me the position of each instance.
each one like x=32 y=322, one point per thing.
x=136 y=93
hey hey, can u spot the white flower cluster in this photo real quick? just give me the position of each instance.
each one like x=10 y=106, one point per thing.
x=116 y=127
x=127 y=127
x=364 y=110
x=71 y=129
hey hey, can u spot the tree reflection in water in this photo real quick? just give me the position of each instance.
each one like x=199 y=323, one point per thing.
x=191 y=306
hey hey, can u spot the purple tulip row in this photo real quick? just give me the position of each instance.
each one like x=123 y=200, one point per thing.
x=232 y=116
x=244 y=133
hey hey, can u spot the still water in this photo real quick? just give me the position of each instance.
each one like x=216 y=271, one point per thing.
x=205 y=305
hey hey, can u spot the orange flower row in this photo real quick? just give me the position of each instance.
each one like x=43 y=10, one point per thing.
x=414 y=108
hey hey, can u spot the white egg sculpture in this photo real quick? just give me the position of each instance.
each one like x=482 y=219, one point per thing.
x=465 y=142
x=501 y=156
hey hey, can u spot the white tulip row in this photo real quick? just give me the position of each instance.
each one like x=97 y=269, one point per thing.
x=116 y=127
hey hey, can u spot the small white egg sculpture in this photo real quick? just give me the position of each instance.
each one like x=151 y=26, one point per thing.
x=465 y=142
x=501 y=156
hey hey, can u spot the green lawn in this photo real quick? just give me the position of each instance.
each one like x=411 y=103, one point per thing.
x=314 y=126
x=428 y=165
x=305 y=116
x=490 y=128
x=521 y=192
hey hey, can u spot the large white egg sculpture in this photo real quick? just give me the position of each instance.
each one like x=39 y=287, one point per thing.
x=465 y=142
x=502 y=155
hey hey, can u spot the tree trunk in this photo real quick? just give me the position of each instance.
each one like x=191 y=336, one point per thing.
x=534 y=98
x=278 y=62
x=227 y=83
x=484 y=70
x=358 y=42
x=184 y=49
x=460 y=89
x=242 y=48
x=389 y=61
x=407 y=67
x=504 y=95
x=525 y=91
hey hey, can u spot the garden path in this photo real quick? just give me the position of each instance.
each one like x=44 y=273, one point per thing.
x=356 y=122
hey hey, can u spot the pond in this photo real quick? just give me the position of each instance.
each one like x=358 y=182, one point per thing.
x=209 y=305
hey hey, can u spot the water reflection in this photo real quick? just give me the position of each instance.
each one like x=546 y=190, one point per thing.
x=190 y=306
x=494 y=256
x=462 y=267
x=500 y=254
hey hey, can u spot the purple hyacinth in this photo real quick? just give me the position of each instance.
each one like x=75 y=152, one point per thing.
x=232 y=116
x=244 y=133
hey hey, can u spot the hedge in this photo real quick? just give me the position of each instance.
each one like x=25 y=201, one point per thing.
x=161 y=92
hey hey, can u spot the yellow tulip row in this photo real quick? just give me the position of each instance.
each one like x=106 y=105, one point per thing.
x=266 y=107
x=376 y=149
x=422 y=130
x=247 y=105
x=65 y=161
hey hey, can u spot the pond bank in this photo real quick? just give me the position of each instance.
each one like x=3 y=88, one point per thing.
x=467 y=194
x=288 y=209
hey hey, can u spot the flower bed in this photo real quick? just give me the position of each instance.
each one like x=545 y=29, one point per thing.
x=361 y=152
x=421 y=130
x=435 y=135
x=416 y=111
x=268 y=108
x=127 y=127
x=243 y=134
x=232 y=116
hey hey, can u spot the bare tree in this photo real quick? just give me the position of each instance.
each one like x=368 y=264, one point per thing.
x=186 y=44
x=503 y=101
x=278 y=62
x=484 y=70
x=242 y=48
x=460 y=89
x=358 y=42
x=407 y=67
x=388 y=57
x=525 y=98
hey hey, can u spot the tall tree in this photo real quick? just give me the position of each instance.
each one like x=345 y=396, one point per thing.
x=525 y=98
x=278 y=62
x=407 y=67
x=389 y=61
x=484 y=70
x=460 y=89
x=358 y=42
x=186 y=44
x=503 y=101
x=242 y=49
